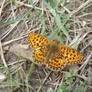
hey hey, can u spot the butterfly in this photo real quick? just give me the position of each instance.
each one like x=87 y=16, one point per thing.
x=51 y=54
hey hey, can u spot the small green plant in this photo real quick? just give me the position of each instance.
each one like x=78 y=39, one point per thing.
x=84 y=10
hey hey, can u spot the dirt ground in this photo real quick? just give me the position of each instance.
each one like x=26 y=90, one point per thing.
x=17 y=20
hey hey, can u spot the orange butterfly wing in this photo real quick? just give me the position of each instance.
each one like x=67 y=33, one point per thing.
x=55 y=60
x=70 y=55
x=37 y=40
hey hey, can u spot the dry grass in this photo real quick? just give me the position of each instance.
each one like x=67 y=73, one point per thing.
x=72 y=19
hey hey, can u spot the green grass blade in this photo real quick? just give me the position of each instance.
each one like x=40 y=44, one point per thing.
x=31 y=2
x=58 y=20
x=13 y=21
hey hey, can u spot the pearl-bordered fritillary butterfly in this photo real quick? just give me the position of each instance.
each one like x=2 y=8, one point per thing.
x=51 y=54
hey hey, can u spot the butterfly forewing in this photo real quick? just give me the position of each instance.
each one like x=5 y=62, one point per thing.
x=37 y=40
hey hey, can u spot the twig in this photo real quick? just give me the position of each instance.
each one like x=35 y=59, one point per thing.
x=2 y=55
x=78 y=9
x=82 y=77
x=10 y=30
x=66 y=9
x=30 y=6
x=87 y=14
x=79 y=38
x=13 y=40
x=60 y=82
x=27 y=5
x=85 y=63
x=44 y=81
x=2 y=7
x=15 y=62
x=77 y=75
